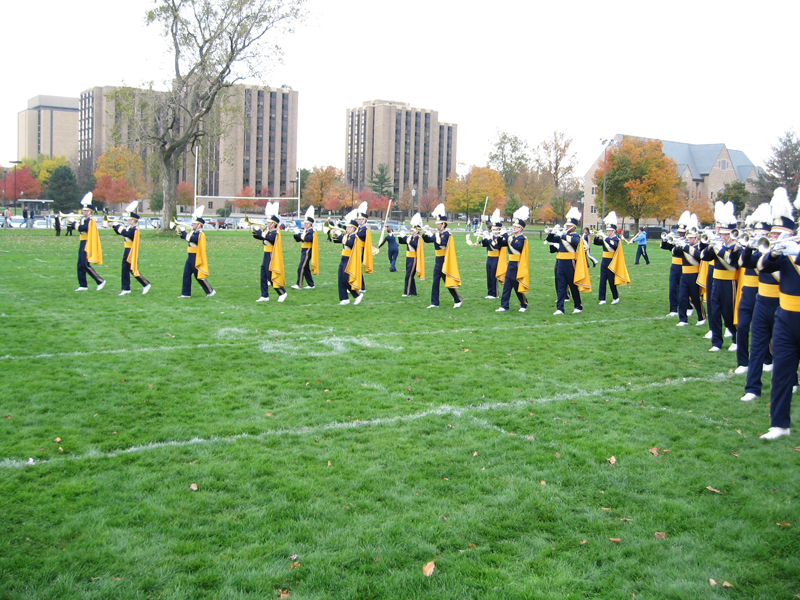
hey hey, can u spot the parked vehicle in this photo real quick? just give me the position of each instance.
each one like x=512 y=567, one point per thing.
x=17 y=221
x=39 y=223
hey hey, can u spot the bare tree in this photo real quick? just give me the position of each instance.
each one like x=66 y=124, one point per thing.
x=554 y=158
x=215 y=44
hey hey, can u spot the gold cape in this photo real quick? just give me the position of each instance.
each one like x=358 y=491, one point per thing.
x=581 y=278
x=420 y=258
x=277 y=272
x=523 y=270
x=366 y=248
x=702 y=277
x=201 y=261
x=353 y=266
x=94 y=252
x=315 y=256
x=133 y=255
x=452 y=278
x=502 y=265
x=618 y=268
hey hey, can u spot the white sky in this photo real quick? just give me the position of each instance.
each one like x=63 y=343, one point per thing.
x=698 y=71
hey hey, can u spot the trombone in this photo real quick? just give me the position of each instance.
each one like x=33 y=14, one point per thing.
x=178 y=226
x=254 y=225
x=70 y=218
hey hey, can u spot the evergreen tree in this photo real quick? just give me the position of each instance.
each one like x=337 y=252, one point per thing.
x=63 y=189
x=381 y=182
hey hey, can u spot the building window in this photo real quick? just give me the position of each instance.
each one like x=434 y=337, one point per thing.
x=723 y=165
x=594 y=191
x=593 y=210
x=210 y=205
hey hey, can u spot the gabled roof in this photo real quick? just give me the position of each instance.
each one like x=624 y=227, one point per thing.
x=701 y=158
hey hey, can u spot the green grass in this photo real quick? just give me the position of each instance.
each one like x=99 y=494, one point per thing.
x=338 y=449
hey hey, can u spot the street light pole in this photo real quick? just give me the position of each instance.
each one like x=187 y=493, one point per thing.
x=606 y=143
x=15 y=162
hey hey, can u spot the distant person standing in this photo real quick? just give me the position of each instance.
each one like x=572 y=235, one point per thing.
x=31 y=214
x=7 y=215
x=57 y=225
x=394 y=248
x=641 y=239
x=25 y=216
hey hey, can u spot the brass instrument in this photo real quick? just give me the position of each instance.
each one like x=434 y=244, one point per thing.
x=556 y=230
x=178 y=226
x=111 y=222
x=788 y=245
x=70 y=218
x=254 y=225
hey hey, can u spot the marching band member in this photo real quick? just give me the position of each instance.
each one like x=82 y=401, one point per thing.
x=612 y=268
x=130 y=256
x=496 y=257
x=571 y=269
x=350 y=278
x=309 y=253
x=446 y=264
x=196 y=258
x=725 y=257
x=783 y=258
x=689 y=290
x=415 y=256
x=779 y=213
x=517 y=276
x=272 y=267
x=748 y=287
x=675 y=268
x=89 y=251
x=364 y=242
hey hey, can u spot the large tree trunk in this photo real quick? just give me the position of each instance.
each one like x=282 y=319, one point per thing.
x=169 y=182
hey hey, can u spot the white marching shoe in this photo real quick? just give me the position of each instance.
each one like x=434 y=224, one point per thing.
x=732 y=348
x=124 y=293
x=577 y=311
x=708 y=336
x=145 y=289
x=295 y=287
x=491 y=297
x=81 y=289
x=263 y=299
x=434 y=306
x=681 y=324
x=767 y=368
x=672 y=314
x=343 y=302
x=558 y=312
x=282 y=297
x=101 y=285
x=775 y=432
x=740 y=370
x=214 y=293
x=714 y=349
x=615 y=301
x=602 y=302
x=701 y=323
x=501 y=309
x=357 y=301
x=727 y=333
x=748 y=397
x=457 y=304
x=690 y=312
x=523 y=309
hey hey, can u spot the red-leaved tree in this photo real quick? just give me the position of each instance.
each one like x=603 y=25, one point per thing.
x=25 y=185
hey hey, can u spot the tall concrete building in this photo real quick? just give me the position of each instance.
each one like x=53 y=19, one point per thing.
x=419 y=151
x=252 y=143
x=48 y=126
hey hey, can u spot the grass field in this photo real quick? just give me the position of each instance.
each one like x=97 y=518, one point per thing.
x=336 y=450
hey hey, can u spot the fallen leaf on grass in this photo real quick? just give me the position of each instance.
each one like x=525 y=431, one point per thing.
x=612 y=461
x=797 y=448
x=626 y=520
x=466 y=349
x=471 y=545
x=193 y=487
x=557 y=455
x=9 y=416
x=660 y=535
x=735 y=453
x=283 y=594
x=710 y=489
x=475 y=453
x=269 y=414
x=726 y=584
x=604 y=508
x=653 y=451
x=294 y=565
x=57 y=440
x=712 y=582
x=427 y=569
x=583 y=542
x=783 y=524
x=329 y=463
x=615 y=540
x=543 y=482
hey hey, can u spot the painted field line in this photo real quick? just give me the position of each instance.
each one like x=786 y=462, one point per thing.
x=445 y=409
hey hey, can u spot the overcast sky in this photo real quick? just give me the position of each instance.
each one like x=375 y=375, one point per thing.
x=697 y=71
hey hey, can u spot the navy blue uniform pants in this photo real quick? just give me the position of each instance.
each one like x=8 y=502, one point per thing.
x=84 y=267
x=761 y=328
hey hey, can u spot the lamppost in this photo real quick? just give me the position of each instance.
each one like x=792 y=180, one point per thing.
x=606 y=144
x=413 y=200
x=15 y=162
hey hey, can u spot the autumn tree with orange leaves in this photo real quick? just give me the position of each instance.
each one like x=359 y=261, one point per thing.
x=317 y=186
x=641 y=181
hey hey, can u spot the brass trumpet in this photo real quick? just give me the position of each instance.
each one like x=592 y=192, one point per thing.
x=111 y=222
x=178 y=226
x=254 y=225
x=70 y=218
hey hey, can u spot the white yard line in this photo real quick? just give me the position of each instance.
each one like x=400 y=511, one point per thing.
x=455 y=411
